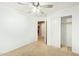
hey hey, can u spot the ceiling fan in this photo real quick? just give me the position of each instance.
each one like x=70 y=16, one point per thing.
x=37 y=6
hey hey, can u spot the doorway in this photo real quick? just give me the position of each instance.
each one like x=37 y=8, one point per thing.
x=66 y=33
x=42 y=31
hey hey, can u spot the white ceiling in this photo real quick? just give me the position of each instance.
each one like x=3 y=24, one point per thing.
x=56 y=6
x=64 y=5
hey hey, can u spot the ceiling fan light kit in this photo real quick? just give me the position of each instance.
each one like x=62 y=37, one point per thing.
x=37 y=7
x=36 y=10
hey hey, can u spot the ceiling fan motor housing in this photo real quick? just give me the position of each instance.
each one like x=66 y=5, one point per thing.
x=36 y=4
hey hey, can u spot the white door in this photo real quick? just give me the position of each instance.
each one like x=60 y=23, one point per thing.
x=43 y=27
x=56 y=32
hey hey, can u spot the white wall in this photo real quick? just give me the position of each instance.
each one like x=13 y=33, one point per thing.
x=16 y=30
x=75 y=30
x=75 y=27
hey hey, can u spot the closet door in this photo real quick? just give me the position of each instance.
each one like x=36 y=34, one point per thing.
x=56 y=32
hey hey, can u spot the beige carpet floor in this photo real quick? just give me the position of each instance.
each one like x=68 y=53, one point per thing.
x=39 y=48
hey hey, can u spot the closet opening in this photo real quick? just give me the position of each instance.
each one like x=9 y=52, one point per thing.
x=66 y=33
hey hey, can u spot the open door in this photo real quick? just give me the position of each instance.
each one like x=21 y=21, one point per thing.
x=42 y=31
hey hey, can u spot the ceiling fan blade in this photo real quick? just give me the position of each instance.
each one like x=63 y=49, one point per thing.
x=24 y=3
x=46 y=6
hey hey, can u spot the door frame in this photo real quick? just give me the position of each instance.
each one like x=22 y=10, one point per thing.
x=46 y=29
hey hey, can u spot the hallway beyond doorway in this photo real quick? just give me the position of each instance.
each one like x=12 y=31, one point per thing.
x=42 y=33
